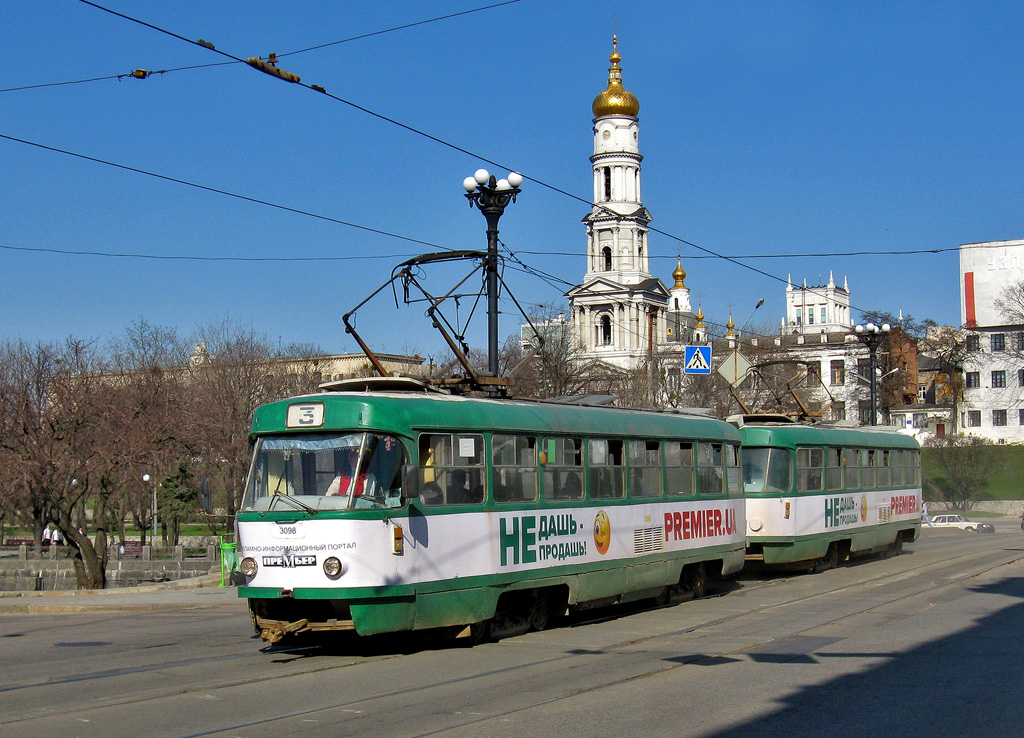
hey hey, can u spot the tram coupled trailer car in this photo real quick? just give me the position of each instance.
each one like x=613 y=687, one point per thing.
x=818 y=494
x=399 y=509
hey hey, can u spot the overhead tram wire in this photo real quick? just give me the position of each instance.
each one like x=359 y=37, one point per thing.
x=454 y=147
x=828 y=254
x=399 y=28
x=227 y=193
x=287 y=53
x=514 y=255
x=180 y=257
x=517 y=264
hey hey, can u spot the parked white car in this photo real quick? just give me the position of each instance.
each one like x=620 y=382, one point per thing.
x=959 y=521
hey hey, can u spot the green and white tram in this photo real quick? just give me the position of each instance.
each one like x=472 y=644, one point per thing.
x=818 y=494
x=399 y=508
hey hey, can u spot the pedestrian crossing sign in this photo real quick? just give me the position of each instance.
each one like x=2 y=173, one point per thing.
x=697 y=360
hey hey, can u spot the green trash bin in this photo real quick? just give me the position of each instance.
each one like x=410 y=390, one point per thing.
x=228 y=562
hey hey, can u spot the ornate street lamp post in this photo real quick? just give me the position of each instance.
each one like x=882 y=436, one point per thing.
x=491 y=197
x=872 y=336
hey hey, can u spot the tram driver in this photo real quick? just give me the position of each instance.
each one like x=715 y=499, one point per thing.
x=346 y=470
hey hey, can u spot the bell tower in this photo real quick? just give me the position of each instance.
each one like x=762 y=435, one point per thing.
x=619 y=310
x=617 y=224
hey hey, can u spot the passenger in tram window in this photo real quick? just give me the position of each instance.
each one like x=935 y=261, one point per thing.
x=341 y=482
x=465 y=487
x=458 y=487
x=572 y=489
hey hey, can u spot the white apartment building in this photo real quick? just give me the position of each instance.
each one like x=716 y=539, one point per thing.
x=993 y=404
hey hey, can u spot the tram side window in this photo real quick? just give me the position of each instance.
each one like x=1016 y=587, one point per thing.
x=710 y=468
x=733 y=480
x=645 y=468
x=563 y=468
x=514 y=468
x=780 y=470
x=607 y=468
x=851 y=462
x=381 y=470
x=767 y=470
x=452 y=468
x=834 y=468
x=896 y=467
x=755 y=467
x=883 y=477
x=809 y=469
x=679 y=467
x=868 y=476
x=917 y=468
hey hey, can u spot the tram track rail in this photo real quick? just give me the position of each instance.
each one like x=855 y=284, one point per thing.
x=947 y=572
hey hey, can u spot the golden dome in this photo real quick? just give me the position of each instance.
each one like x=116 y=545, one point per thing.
x=730 y=325
x=700 y=319
x=615 y=100
x=679 y=275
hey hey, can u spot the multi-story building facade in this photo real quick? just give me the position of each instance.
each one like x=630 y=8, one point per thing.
x=993 y=404
x=821 y=309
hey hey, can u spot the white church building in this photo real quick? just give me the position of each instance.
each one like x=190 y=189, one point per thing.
x=621 y=309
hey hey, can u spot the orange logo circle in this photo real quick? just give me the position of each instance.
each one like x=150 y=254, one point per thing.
x=602 y=532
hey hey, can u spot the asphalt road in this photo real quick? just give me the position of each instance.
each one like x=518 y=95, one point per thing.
x=924 y=644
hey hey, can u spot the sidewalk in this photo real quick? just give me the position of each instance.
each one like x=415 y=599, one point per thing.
x=182 y=594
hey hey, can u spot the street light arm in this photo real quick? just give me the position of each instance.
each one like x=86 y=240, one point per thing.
x=759 y=304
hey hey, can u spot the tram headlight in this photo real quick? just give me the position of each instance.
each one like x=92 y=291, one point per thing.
x=248 y=566
x=333 y=567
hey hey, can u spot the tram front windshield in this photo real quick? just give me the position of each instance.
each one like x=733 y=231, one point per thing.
x=767 y=470
x=325 y=471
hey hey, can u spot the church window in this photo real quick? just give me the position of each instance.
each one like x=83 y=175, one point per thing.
x=823 y=315
x=810 y=316
x=799 y=316
x=606 y=330
x=607 y=183
x=676 y=299
x=607 y=251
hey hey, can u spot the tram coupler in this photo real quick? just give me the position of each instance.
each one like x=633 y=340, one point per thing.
x=274 y=633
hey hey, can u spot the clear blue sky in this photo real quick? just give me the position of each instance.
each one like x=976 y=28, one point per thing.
x=767 y=128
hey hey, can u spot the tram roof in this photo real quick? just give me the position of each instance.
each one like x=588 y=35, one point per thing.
x=400 y=412
x=800 y=434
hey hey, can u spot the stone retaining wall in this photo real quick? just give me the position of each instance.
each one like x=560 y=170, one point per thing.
x=20 y=575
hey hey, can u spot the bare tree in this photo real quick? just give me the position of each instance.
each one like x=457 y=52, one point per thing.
x=948 y=346
x=552 y=364
x=1010 y=304
x=151 y=427
x=53 y=401
x=232 y=372
x=959 y=466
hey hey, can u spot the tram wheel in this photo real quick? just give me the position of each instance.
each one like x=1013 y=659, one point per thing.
x=695 y=580
x=829 y=561
x=480 y=632
x=893 y=549
x=540 y=612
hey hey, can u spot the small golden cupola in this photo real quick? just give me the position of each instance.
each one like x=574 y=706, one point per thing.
x=679 y=275
x=730 y=325
x=700 y=319
x=615 y=100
